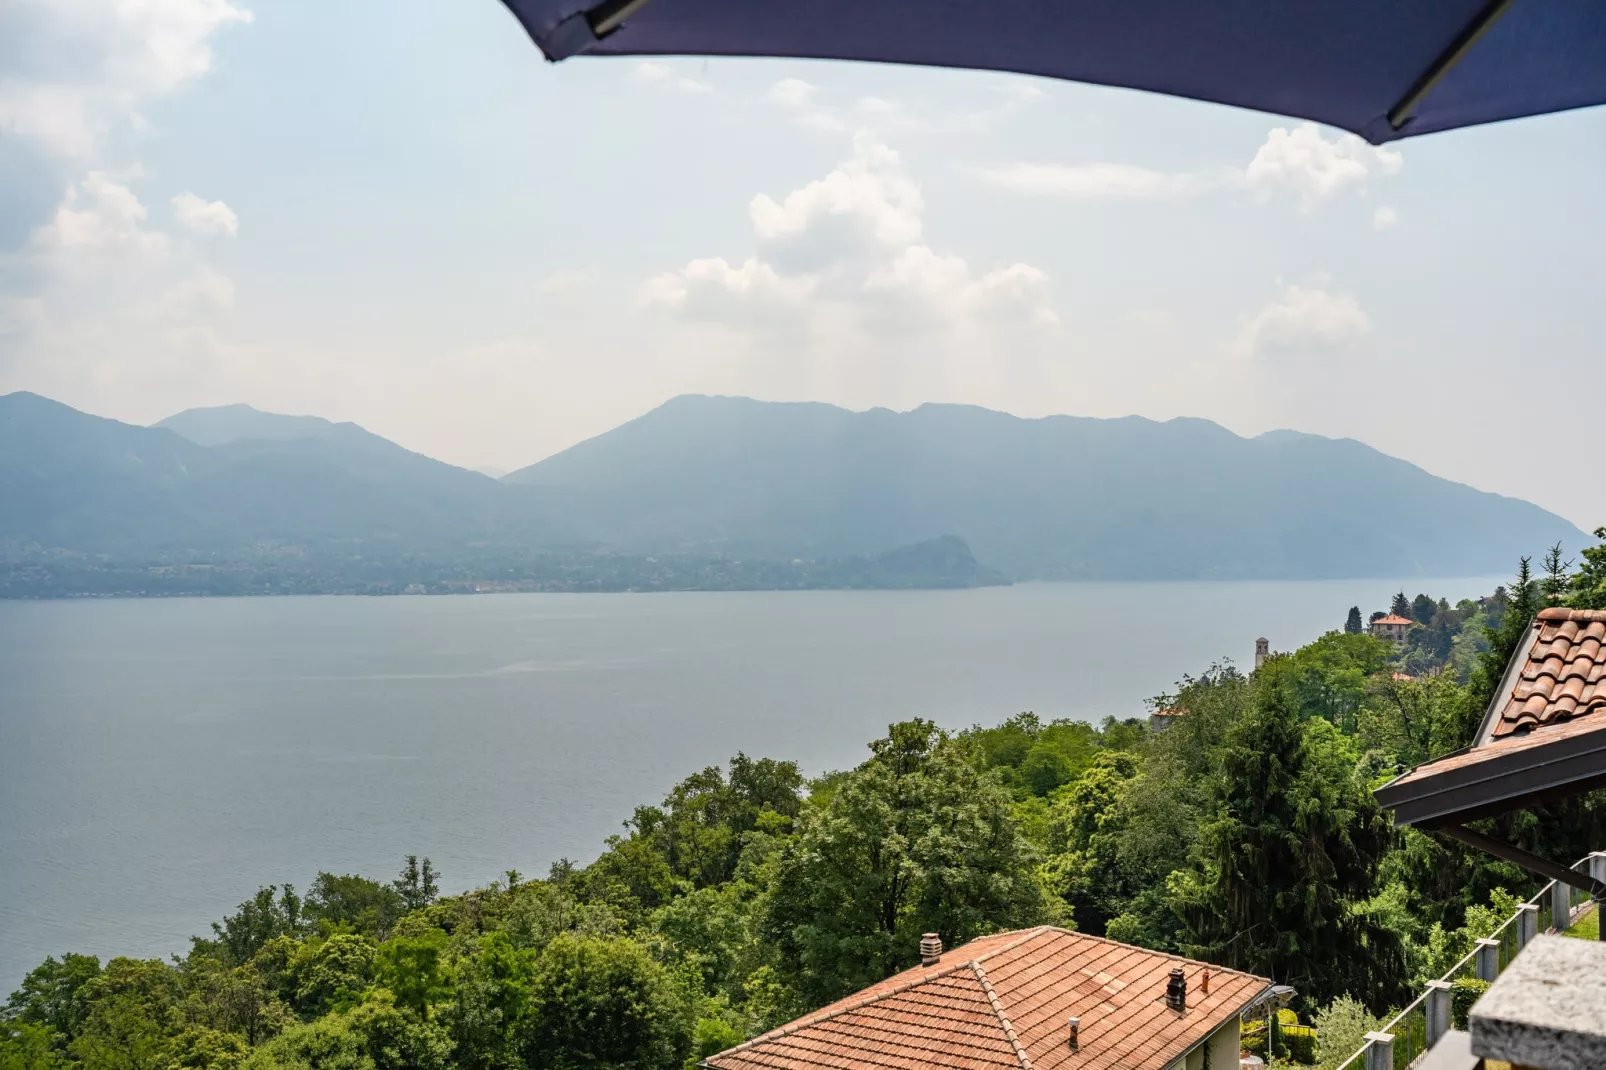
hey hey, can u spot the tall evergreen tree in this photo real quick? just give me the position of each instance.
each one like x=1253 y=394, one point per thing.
x=1401 y=606
x=1352 y=623
x=1287 y=857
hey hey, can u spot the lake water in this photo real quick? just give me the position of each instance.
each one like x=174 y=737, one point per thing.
x=161 y=759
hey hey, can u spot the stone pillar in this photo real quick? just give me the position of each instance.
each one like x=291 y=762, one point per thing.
x=1438 y=1010
x=1380 y=1056
x=1560 y=906
x=1488 y=960
x=1527 y=924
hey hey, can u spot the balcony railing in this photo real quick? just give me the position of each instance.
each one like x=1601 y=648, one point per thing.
x=1411 y=1032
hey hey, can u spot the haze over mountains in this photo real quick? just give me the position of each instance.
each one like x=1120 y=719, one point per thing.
x=1055 y=498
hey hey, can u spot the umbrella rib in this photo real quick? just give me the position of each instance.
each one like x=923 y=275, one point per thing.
x=608 y=16
x=1400 y=114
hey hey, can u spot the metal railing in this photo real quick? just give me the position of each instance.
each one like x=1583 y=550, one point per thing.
x=1409 y=1034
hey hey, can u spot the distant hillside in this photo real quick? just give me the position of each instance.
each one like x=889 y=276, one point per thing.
x=1057 y=498
x=78 y=482
x=231 y=423
x=712 y=491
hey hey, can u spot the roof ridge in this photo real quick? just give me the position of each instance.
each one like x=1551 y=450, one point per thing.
x=1211 y=966
x=1562 y=613
x=807 y=1021
x=1003 y=1019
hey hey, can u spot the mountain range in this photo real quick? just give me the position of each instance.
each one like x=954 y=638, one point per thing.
x=735 y=479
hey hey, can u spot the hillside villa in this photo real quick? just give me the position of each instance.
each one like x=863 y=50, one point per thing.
x=1035 y=999
x=1392 y=627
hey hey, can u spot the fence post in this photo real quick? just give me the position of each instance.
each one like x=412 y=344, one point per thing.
x=1488 y=961
x=1437 y=1011
x=1561 y=906
x=1597 y=869
x=1380 y=1056
x=1527 y=924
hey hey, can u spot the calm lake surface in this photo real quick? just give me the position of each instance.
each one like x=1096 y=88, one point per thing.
x=161 y=759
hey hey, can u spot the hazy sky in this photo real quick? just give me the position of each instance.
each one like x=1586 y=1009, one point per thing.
x=399 y=214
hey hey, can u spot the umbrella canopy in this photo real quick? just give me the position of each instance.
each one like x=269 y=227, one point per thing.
x=1383 y=69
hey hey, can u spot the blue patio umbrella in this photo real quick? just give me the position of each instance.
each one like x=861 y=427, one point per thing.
x=1384 y=69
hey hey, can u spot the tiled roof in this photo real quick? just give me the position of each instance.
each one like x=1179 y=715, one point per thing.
x=1002 y=1001
x=1394 y=618
x=1564 y=675
x=1544 y=732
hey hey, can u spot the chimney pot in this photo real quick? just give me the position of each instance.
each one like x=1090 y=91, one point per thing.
x=930 y=949
x=1176 y=990
x=1204 y=982
x=1075 y=1024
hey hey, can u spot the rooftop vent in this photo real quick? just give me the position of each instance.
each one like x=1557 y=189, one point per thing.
x=930 y=949
x=1075 y=1027
x=1176 y=991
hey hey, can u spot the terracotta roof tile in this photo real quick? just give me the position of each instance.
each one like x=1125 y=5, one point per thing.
x=1002 y=1002
x=1394 y=618
x=1564 y=675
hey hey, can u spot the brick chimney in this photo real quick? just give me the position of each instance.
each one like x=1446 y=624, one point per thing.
x=930 y=949
x=1176 y=991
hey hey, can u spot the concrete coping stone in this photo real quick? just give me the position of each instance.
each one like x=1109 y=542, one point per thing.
x=1548 y=1010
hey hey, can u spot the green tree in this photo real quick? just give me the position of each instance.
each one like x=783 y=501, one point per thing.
x=28 y=1046
x=1423 y=609
x=1352 y=623
x=1506 y=633
x=133 y=1018
x=414 y=969
x=603 y=1002
x=1586 y=589
x=1286 y=856
x=354 y=904
x=417 y=884
x=331 y=975
x=492 y=1002
x=259 y=919
x=55 y=994
x=1400 y=606
x=916 y=839
x=1554 y=584
x=219 y=998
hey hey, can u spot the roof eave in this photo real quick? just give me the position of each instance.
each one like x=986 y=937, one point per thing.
x=1500 y=782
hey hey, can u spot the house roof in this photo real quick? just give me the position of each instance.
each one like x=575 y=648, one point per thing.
x=1563 y=676
x=1543 y=734
x=1394 y=618
x=1002 y=1001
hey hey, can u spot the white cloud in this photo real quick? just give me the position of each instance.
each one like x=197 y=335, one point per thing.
x=100 y=214
x=1316 y=168
x=1305 y=319
x=97 y=296
x=205 y=217
x=661 y=74
x=76 y=69
x=1300 y=160
x=1385 y=218
x=842 y=263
